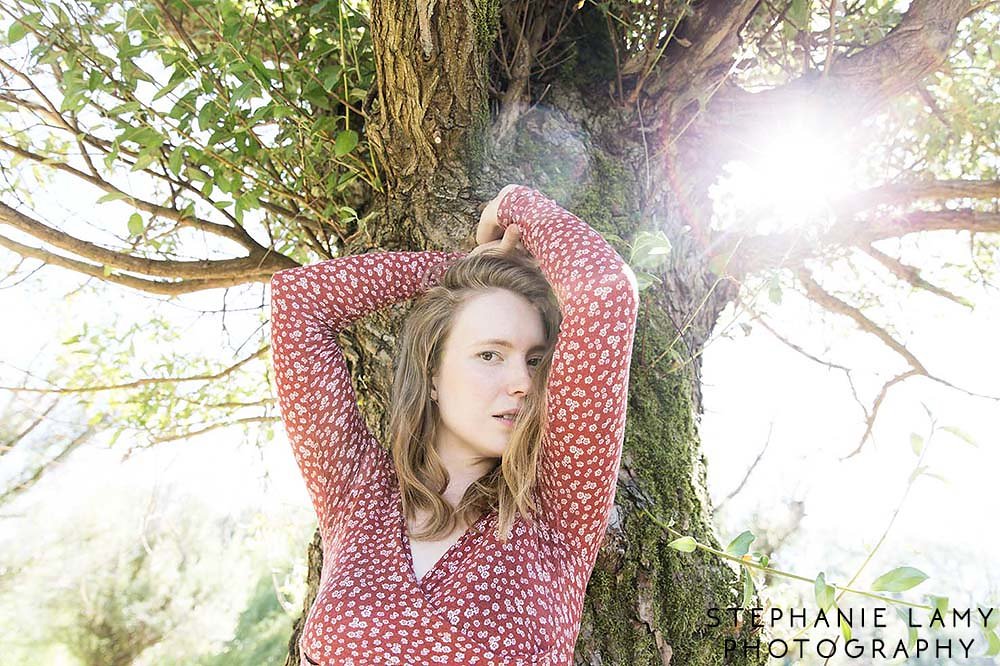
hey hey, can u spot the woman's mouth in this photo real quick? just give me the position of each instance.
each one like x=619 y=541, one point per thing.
x=507 y=419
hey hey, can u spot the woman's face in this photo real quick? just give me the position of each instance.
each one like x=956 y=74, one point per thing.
x=489 y=358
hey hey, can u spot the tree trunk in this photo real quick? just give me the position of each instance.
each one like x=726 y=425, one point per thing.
x=646 y=603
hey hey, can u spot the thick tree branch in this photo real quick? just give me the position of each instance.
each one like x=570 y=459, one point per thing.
x=905 y=193
x=857 y=86
x=430 y=90
x=705 y=40
x=789 y=251
x=525 y=22
x=163 y=288
x=258 y=264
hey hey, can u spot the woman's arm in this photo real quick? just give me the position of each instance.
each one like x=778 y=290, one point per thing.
x=310 y=305
x=588 y=381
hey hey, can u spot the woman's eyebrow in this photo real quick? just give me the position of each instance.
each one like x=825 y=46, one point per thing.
x=504 y=343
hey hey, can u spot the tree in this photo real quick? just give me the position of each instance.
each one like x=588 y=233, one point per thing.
x=282 y=133
x=133 y=575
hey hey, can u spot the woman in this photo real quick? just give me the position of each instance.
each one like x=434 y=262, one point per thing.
x=472 y=541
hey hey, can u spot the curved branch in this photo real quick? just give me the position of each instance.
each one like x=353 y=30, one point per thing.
x=819 y=295
x=789 y=251
x=200 y=431
x=759 y=318
x=245 y=268
x=854 y=88
x=105 y=147
x=705 y=40
x=905 y=193
x=235 y=233
x=872 y=414
x=912 y=275
x=163 y=288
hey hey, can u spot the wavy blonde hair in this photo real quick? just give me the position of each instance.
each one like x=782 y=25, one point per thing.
x=413 y=420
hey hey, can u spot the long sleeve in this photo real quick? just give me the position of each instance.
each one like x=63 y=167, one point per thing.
x=588 y=381
x=310 y=305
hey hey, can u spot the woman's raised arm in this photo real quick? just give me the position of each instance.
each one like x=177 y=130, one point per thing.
x=310 y=305
x=588 y=380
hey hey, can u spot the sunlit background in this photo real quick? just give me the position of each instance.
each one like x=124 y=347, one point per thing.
x=224 y=520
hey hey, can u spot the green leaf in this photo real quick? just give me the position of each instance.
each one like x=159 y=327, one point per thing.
x=107 y=271
x=127 y=107
x=176 y=160
x=330 y=76
x=748 y=588
x=917 y=472
x=244 y=91
x=899 y=579
x=178 y=77
x=994 y=643
x=774 y=289
x=940 y=603
x=207 y=115
x=911 y=639
x=644 y=280
x=916 y=443
x=16 y=32
x=824 y=592
x=346 y=141
x=741 y=544
x=961 y=434
x=798 y=14
x=650 y=250
x=143 y=161
x=135 y=224
x=684 y=544
x=113 y=196
x=145 y=137
x=845 y=630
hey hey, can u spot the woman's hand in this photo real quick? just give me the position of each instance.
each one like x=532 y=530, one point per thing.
x=511 y=242
x=488 y=229
x=489 y=234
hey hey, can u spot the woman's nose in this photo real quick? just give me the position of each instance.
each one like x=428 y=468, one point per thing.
x=519 y=381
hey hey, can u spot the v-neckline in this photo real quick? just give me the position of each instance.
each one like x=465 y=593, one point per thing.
x=404 y=533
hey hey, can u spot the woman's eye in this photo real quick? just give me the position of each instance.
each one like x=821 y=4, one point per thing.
x=487 y=353
x=535 y=362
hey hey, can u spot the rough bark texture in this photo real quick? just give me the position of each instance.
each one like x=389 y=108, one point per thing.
x=616 y=165
x=646 y=602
